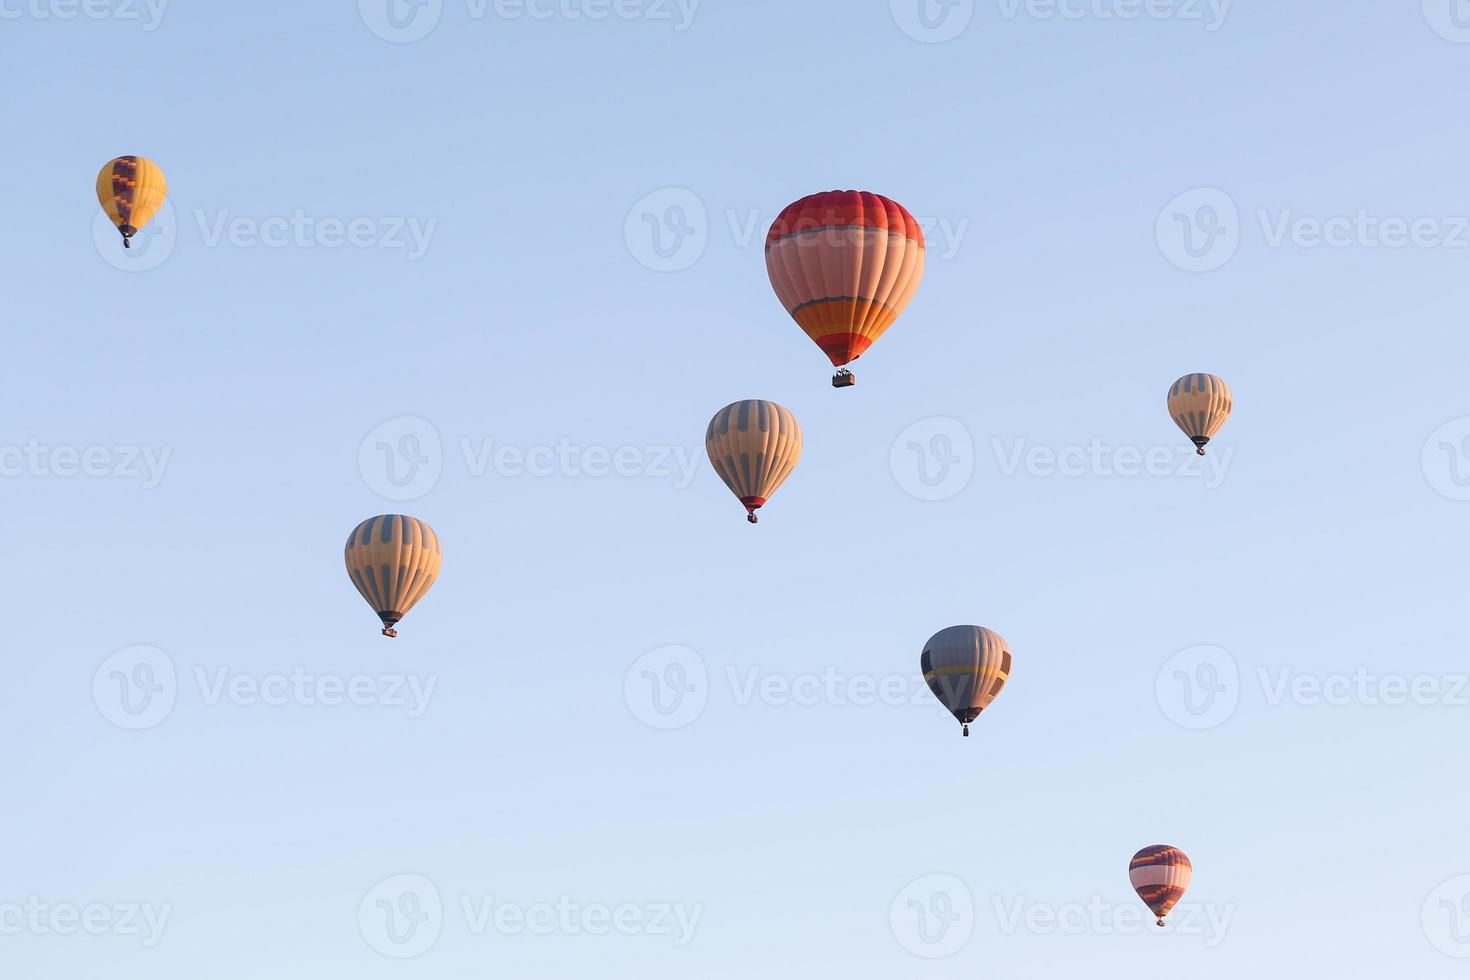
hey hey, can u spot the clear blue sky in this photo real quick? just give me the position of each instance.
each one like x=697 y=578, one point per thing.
x=536 y=316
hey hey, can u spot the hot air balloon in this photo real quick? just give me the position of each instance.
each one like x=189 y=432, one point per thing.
x=845 y=264
x=131 y=190
x=1160 y=874
x=753 y=445
x=393 y=560
x=965 y=667
x=1199 y=404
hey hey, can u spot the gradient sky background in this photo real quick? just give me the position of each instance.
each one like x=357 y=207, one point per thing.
x=1331 y=835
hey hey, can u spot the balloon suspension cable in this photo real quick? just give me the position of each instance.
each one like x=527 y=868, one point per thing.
x=389 y=631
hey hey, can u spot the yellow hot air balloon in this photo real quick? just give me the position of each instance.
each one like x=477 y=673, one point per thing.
x=1199 y=404
x=393 y=560
x=753 y=445
x=131 y=190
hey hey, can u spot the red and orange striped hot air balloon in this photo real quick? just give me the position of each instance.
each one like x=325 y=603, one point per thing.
x=845 y=264
x=1160 y=874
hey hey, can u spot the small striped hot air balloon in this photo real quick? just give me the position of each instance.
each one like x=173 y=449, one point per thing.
x=965 y=667
x=845 y=264
x=1160 y=874
x=130 y=189
x=393 y=560
x=753 y=445
x=1199 y=404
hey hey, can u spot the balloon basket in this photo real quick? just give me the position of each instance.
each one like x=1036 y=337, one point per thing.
x=844 y=379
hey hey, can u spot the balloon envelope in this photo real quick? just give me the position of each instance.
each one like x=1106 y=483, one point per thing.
x=845 y=264
x=130 y=189
x=966 y=667
x=1160 y=874
x=393 y=560
x=1199 y=404
x=753 y=445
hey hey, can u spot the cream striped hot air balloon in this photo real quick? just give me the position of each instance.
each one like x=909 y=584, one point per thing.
x=130 y=189
x=965 y=667
x=753 y=445
x=393 y=560
x=1200 y=404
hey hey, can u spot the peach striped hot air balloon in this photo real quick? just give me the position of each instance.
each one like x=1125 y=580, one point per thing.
x=1160 y=874
x=1199 y=404
x=753 y=445
x=393 y=560
x=845 y=264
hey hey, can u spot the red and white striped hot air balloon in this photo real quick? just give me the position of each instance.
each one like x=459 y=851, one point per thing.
x=845 y=264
